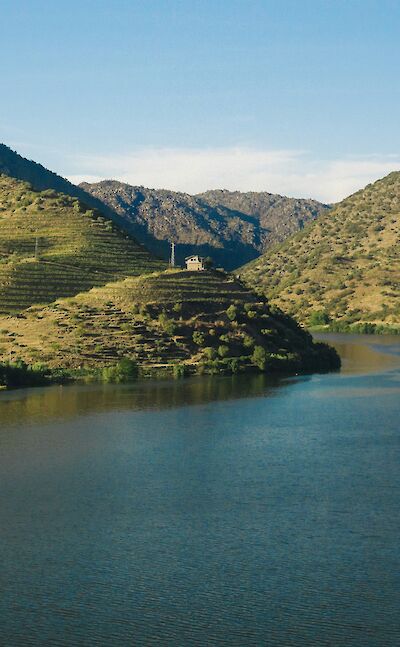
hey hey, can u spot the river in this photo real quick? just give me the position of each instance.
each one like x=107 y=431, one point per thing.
x=208 y=511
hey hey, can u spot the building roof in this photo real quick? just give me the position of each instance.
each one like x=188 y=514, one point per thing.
x=196 y=256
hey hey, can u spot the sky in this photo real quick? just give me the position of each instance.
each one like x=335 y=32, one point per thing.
x=298 y=97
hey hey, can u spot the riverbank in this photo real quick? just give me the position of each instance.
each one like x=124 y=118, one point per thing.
x=316 y=357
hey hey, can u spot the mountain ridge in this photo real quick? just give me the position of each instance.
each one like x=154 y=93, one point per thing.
x=215 y=223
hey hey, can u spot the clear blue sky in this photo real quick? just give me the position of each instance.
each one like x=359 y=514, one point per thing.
x=101 y=80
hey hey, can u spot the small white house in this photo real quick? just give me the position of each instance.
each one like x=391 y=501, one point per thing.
x=195 y=263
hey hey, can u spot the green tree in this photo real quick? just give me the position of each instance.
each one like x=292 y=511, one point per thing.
x=125 y=370
x=209 y=352
x=259 y=357
x=318 y=318
x=198 y=338
x=232 y=312
x=223 y=351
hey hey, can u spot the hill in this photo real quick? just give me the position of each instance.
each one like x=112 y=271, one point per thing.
x=53 y=245
x=14 y=165
x=167 y=321
x=343 y=269
x=231 y=227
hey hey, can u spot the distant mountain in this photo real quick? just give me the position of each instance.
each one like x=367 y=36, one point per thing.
x=231 y=227
x=343 y=268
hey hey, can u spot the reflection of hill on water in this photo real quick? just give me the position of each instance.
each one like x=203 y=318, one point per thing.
x=364 y=353
x=52 y=403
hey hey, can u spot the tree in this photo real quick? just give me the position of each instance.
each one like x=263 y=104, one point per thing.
x=223 y=351
x=125 y=370
x=232 y=312
x=259 y=357
x=318 y=318
x=198 y=338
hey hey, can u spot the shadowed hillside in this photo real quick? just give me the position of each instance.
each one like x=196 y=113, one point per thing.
x=231 y=227
x=343 y=269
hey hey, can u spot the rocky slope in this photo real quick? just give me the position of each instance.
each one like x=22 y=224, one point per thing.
x=343 y=269
x=231 y=227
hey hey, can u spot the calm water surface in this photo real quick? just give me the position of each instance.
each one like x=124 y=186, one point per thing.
x=229 y=511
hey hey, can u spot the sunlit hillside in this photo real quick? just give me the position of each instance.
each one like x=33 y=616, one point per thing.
x=344 y=267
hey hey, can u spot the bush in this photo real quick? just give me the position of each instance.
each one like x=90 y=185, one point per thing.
x=223 y=351
x=209 y=352
x=198 y=338
x=125 y=370
x=234 y=365
x=167 y=324
x=232 y=312
x=18 y=373
x=179 y=370
x=259 y=357
x=318 y=318
x=177 y=308
x=248 y=341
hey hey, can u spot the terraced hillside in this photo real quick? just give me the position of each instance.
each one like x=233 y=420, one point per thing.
x=231 y=227
x=343 y=269
x=52 y=245
x=181 y=320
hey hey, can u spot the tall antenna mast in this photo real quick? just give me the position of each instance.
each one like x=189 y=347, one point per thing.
x=172 y=259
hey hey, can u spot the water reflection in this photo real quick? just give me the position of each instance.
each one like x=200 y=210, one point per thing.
x=63 y=402
x=364 y=353
x=361 y=354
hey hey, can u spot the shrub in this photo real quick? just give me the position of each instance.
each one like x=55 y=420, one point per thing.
x=198 y=338
x=209 y=352
x=318 y=318
x=177 y=308
x=179 y=370
x=259 y=357
x=248 y=341
x=223 y=351
x=232 y=312
x=251 y=314
x=167 y=324
x=125 y=370
x=234 y=365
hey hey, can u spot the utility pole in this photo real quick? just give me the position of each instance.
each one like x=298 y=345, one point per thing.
x=37 y=248
x=172 y=259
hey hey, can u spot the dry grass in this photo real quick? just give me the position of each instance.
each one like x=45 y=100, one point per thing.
x=345 y=264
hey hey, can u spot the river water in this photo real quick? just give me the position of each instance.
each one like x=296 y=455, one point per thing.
x=208 y=511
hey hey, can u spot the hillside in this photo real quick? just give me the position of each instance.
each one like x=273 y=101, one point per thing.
x=52 y=245
x=344 y=268
x=231 y=227
x=193 y=321
x=20 y=168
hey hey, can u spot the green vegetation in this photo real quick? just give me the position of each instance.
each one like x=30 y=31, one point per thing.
x=259 y=357
x=18 y=373
x=342 y=272
x=125 y=370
